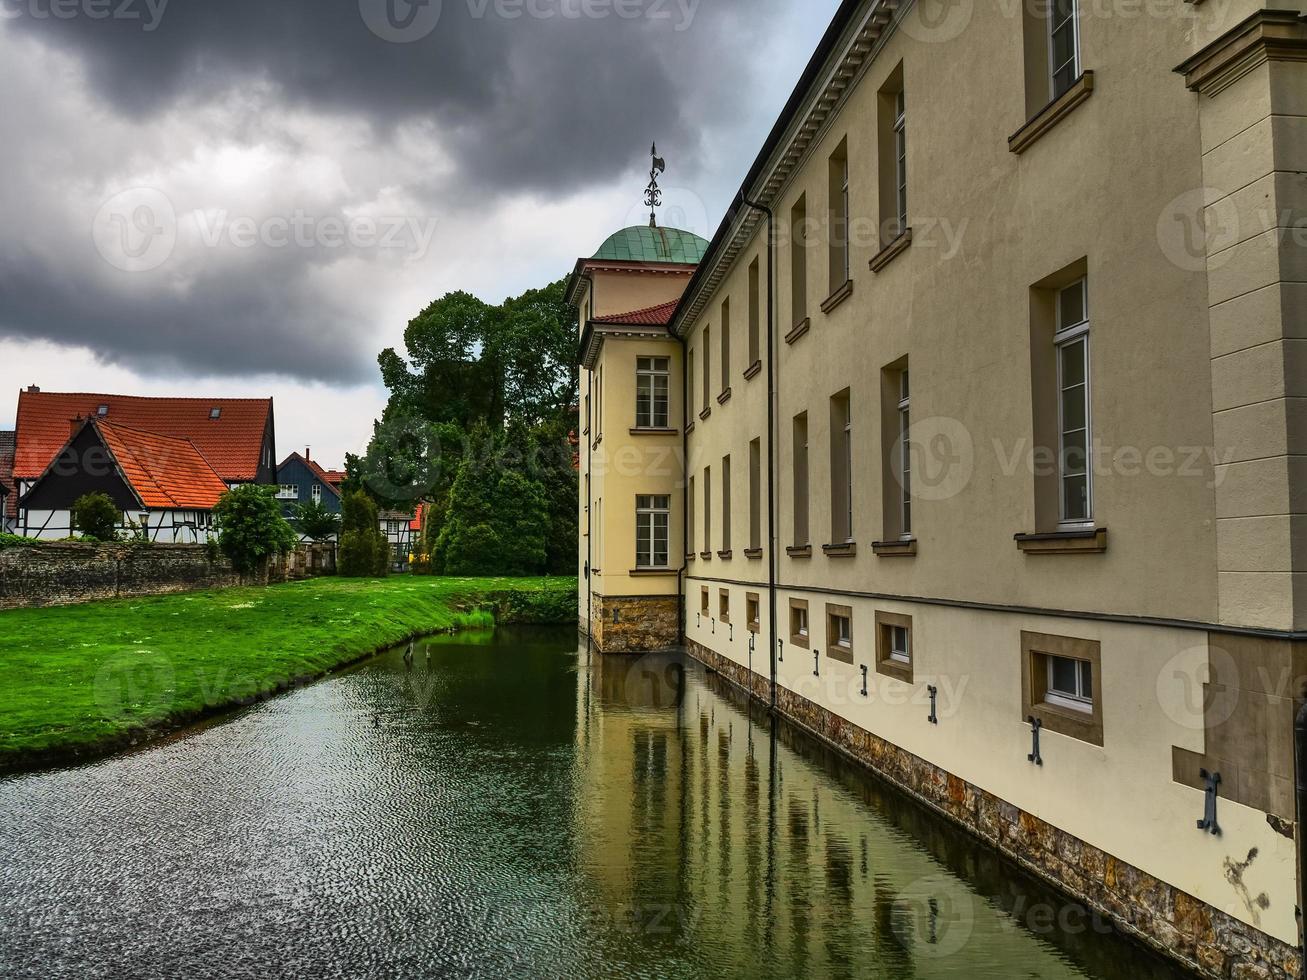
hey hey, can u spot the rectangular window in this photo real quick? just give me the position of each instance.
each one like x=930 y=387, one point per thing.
x=726 y=506
x=839 y=633
x=692 y=504
x=905 y=457
x=288 y=491
x=839 y=217
x=316 y=493
x=894 y=653
x=802 y=536
x=703 y=601
x=799 y=261
x=1064 y=44
x=753 y=607
x=707 y=369
x=707 y=511
x=901 y=161
x=1061 y=681
x=726 y=346
x=841 y=469
x=652 y=381
x=1074 y=431
x=653 y=516
x=799 y=623
x=755 y=315
x=599 y=403
x=755 y=495
x=689 y=385
x=724 y=605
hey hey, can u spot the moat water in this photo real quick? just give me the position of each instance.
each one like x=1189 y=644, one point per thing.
x=511 y=807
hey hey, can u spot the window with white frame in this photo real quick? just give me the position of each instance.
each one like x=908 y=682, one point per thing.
x=1074 y=430
x=288 y=491
x=653 y=515
x=652 y=380
x=905 y=448
x=316 y=493
x=1064 y=44
x=901 y=160
x=1070 y=683
x=900 y=648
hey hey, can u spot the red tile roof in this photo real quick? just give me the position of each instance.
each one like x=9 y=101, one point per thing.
x=336 y=477
x=651 y=316
x=166 y=473
x=232 y=443
x=418 y=518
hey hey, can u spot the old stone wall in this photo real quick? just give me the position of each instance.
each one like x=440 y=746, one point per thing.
x=69 y=573
x=1177 y=924
x=635 y=624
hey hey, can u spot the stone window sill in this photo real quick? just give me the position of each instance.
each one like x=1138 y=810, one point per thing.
x=799 y=330
x=839 y=296
x=753 y=554
x=843 y=655
x=800 y=551
x=654 y=432
x=896 y=669
x=704 y=415
x=1052 y=114
x=724 y=397
x=689 y=428
x=848 y=550
x=753 y=370
x=895 y=549
x=654 y=572
x=706 y=555
x=891 y=251
x=598 y=442
x=691 y=556
x=725 y=555
x=1091 y=541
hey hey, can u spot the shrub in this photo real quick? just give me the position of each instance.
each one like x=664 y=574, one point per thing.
x=15 y=541
x=364 y=550
x=316 y=521
x=358 y=555
x=251 y=527
x=96 y=517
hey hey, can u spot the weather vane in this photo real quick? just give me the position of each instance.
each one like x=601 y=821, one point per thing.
x=653 y=195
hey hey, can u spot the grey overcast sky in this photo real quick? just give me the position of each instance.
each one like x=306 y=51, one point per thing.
x=252 y=197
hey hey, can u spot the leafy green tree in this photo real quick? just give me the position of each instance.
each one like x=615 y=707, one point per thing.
x=96 y=517
x=251 y=528
x=358 y=539
x=315 y=520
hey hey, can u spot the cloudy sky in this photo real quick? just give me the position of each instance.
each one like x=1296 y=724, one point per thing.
x=253 y=197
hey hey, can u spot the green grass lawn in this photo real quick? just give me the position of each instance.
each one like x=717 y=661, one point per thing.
x=85 y=680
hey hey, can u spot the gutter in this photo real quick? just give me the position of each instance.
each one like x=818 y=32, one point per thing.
x=682 y=615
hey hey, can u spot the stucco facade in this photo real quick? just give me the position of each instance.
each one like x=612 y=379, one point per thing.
x=1118 y=256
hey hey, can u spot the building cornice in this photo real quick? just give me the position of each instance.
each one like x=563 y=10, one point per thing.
x=592 y=339
x=849 y=47
x=584 y=266
x=1268 y=35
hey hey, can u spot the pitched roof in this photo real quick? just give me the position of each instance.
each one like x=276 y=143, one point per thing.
x=232 y=443
x=7 y=473
x=650 y=316
x=166 y=472
x=323 y=476
x=336 y=477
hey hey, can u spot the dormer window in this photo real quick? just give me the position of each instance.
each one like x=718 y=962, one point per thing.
x=215 y=413
x=102 y=411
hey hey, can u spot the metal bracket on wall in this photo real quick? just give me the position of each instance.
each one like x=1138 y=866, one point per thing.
x=732 y=636
x=1208 y=823
x=714 y=626
x=934 y=698
x=1035 y=727
x=780 y=651
x=864 y=680
x=816 y=663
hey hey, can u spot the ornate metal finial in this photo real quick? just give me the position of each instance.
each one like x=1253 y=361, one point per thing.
x=653 y=195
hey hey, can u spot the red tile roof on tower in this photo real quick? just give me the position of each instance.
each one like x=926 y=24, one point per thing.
x=167 y=473
x=232 y=442
x=650 y=316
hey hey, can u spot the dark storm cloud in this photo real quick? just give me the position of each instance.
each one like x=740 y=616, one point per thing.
x=496 y=98
x=536 y=93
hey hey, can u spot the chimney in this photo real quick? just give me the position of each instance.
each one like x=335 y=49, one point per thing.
x=306 y=453
x=33 y=390
x=75 y=425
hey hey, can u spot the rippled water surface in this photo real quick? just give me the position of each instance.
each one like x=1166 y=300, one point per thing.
x=509 y=807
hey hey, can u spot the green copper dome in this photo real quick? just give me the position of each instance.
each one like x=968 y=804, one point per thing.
x=645 y=244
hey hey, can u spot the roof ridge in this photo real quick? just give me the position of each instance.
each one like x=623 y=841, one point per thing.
x=144 y=398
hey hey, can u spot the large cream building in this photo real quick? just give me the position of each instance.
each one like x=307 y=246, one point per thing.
x=976 y=440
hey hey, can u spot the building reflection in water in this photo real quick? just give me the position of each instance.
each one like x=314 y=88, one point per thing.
x=746 y=845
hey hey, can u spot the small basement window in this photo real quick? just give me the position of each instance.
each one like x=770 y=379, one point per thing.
x=839 y=633
x=1061 y=680
x=724 y=605
x=752 y=606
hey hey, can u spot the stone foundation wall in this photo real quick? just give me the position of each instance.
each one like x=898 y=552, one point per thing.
x=635 y=624
x=67 y=573
x=1201 y=937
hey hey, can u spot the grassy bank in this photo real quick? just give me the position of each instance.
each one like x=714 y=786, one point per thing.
x=82 y=681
